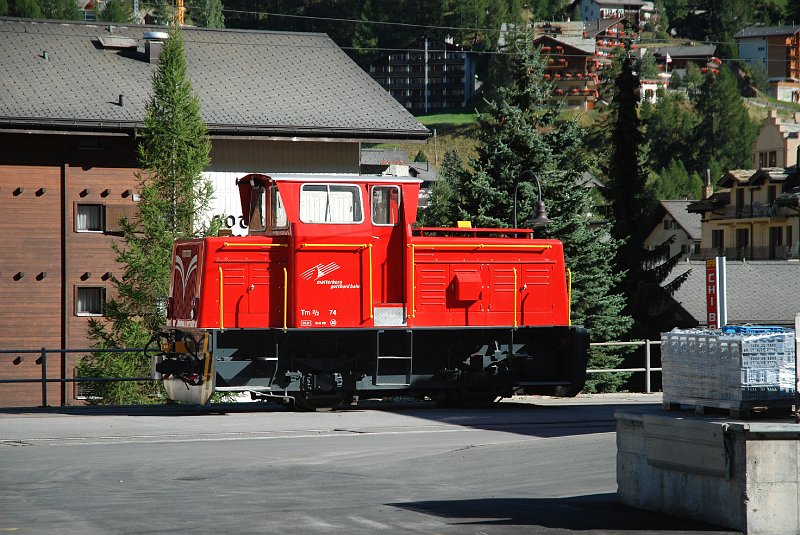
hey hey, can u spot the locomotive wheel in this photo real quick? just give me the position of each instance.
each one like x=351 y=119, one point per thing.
x=317 y=392
x=310 y=402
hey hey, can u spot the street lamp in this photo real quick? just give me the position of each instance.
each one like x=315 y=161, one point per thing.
x=540 y=213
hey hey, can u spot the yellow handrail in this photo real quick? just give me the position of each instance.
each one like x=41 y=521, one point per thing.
x=413 y=281
x=221 y=311
x=229 y=244
x=359 y=245
x=481 y=246
x=515 y=298
x=371 y=300
x=285 y=294
x=569 y=296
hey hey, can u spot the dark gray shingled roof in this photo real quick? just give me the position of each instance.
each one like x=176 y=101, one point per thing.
x=766 y=31
x=700 y=51
x=689 y=222
x=757 y=291
x=249 y=82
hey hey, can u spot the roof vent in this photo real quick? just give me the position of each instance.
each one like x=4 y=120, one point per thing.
x=156 y=36
x=153 y=45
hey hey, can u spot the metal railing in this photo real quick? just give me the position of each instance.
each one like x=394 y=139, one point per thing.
x=648 y=369
x=44 y=380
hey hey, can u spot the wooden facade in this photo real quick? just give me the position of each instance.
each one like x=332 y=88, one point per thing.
x=43 y=180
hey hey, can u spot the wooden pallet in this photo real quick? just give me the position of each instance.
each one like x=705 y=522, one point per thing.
x=740 y=410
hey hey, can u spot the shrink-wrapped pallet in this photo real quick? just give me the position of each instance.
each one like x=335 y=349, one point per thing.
x=733 y=364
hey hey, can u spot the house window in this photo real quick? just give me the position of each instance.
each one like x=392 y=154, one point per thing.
x=762 y=160
x=739 y=199
x=773 y=158
x=771 y=194
x=89 y=218
x=330 y=203
x=89 y=300
x=717 y=239
x=742 y=238
x=686 y=249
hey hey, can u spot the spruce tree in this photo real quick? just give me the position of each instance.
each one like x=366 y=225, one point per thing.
x=519 y=133
x=440 y=210
x=207 y=13
x=173 y=152
x=116 y=11
x=725 y=134
x=630 y=200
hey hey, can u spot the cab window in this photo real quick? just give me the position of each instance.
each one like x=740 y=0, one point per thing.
x=385 y=205
x=330 y=203
x=277 y=212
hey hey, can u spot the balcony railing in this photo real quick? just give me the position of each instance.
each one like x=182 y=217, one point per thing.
x=775 y=252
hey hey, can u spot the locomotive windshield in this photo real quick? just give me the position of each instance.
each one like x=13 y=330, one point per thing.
x=330 y=203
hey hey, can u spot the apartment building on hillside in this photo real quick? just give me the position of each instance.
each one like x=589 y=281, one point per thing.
x=427 y=76
x=776 y=49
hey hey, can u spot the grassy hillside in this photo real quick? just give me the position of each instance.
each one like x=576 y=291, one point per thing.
x=453 y=131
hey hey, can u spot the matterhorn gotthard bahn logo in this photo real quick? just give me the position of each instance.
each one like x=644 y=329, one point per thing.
x=318 y=272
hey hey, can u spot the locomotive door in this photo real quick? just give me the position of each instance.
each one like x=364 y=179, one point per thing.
x=387 y=255
x=251 y=294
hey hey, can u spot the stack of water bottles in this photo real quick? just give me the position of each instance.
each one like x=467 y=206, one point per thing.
x=735 y=363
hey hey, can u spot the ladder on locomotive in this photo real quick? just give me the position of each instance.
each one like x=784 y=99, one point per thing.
x=400 y=362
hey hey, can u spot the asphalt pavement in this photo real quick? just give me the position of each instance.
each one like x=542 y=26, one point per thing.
x=527 y=465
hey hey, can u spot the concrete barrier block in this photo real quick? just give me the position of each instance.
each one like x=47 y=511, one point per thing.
x=630 y=436
x=772 y=461
x=772 y=509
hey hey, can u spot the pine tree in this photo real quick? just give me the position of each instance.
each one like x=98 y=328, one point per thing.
x=792 y=15
x=724 y=136
x=675 y=182
x=61 y=10
x=116 y=11
x=440 y=210
x=172 y=154
x=666 y=125
x=519 y=132
x=207 y=13
x=30 y=9
x=630 y=201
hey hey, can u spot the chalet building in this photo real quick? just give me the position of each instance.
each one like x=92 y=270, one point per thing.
x=752 y=217
x=72 y=101
x=428 y=76
x=671 y=220
x=778 y=142
x=756 y=215
x=675 y=58
x=576 y=53
x=776 y=49
x=592 y=10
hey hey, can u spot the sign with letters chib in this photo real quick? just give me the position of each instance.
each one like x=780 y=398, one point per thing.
x=716 y=301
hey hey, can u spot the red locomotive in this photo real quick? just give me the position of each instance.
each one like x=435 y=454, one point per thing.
x=334 y=294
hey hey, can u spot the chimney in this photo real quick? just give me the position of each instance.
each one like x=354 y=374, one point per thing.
x=708 y=189
x=153 y=45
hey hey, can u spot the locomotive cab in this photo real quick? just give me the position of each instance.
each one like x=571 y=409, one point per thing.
x=333 y=294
